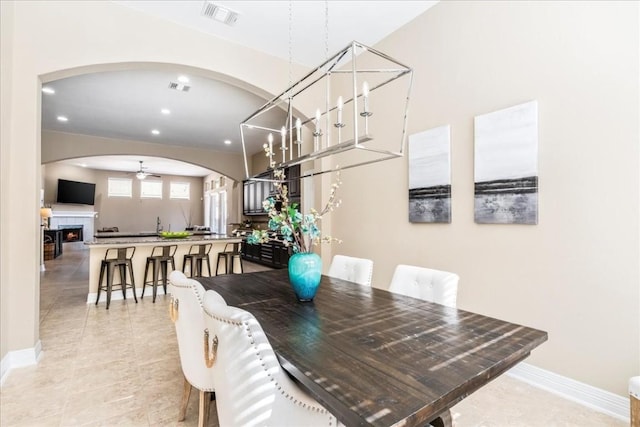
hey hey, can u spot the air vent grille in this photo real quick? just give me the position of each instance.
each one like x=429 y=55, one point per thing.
x=179 y=86
x=219 y=13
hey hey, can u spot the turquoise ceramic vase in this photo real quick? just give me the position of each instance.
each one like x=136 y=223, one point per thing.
x=305 y=272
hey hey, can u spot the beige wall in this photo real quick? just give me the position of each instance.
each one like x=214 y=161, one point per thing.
x=55 y=39
x=576 y=273
x=6 y=64
x=130 y=214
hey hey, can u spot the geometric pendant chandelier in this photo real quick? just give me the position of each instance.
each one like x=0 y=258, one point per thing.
x=350 y=111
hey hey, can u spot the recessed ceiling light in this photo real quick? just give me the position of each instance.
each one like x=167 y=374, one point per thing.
x=83 y=165
x=63 y=119
x=227 y=141
x=155 y=132
x=48 y=90
x=165 y=111
x=183 y=79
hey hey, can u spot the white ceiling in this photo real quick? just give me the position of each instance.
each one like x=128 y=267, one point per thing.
x=126 y=104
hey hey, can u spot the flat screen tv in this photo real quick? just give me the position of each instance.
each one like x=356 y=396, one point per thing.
x=80 y=193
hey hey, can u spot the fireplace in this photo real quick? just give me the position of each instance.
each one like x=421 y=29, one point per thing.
x=71 y=233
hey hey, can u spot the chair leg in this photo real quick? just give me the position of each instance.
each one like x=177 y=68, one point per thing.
x=156 y=272
x=203 y=410
x=198 y=270
x=123 y=279
x=186 y=393
x=240 y=260
x=218 y=263
x=133 y=281
x=102 y=271
x=110 y=271
x=184 y=264
x=635 y=412
x=209 y=265
x=165 y=271
x=144 y=278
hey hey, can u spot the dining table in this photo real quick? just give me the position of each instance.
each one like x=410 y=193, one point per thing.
x=375 y=358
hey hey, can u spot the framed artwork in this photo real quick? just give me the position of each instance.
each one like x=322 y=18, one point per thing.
x=506 y=166
x=430 y=176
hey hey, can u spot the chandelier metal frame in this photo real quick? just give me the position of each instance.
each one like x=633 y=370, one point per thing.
x=326 y=133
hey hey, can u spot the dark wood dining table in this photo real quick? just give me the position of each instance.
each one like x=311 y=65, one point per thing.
x=372 y=357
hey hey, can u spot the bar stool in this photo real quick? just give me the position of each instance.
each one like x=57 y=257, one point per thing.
x=108 y=265
x=197 y=253
x=229 y=256
x=159 y=259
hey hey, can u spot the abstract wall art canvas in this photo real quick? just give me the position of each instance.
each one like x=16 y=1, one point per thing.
x=506 y=166
x=430 y=176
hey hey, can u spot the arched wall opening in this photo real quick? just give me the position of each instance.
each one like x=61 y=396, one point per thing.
x=41 y=42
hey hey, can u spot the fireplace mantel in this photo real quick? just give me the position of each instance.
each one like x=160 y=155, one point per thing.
x=74 y=214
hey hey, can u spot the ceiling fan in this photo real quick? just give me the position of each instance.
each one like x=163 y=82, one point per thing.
x=141 y=174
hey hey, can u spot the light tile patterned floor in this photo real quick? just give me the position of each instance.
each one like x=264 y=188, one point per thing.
x=120 y=367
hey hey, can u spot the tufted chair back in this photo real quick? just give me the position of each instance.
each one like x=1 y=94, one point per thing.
x=254 y=389
x=424 y=283
x=358 y=270
x=187 y=298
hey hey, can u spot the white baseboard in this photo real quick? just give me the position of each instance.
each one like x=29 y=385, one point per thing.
x=117 y=295
x=592 y=397
x=18 y=359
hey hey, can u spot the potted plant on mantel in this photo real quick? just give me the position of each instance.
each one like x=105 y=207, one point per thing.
x=298 y=231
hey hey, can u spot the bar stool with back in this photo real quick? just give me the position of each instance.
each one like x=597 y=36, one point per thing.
x=229 y=254
x=159 y=259
x=108 y=265
x=197 y=254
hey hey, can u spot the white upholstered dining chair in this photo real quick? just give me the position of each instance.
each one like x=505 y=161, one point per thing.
x=425 y=283
x=358 y=270
x=257 y=391
x=187 y=298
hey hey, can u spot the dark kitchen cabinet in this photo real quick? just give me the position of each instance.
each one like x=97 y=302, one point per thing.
x=293 y=175
x=271 y=254
x=255 y=192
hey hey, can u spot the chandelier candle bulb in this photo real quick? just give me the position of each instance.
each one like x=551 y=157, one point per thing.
x=299 y=135
x=270 y=139
x=365 y=96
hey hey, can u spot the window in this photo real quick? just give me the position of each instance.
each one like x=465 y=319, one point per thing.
x=218 y=212
x=179 y=190
x=119 y=187
x=150 y=189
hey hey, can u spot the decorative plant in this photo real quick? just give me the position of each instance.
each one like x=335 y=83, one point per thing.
x=288 y=225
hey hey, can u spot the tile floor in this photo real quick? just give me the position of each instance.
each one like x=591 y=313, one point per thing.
x=121 y=368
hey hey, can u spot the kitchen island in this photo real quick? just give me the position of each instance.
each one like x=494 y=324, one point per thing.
x=144 y=244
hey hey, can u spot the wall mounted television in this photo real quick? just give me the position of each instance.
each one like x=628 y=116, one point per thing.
x=80 y=193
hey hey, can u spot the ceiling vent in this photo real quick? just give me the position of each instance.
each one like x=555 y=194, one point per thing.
x=179 y=86
x=219 y=13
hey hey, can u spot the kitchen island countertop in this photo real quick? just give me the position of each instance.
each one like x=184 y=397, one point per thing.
x=124 y=238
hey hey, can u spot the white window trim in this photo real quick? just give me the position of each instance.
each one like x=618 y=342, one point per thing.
x=150 y=196
x=174 y=197
x=110 y=179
